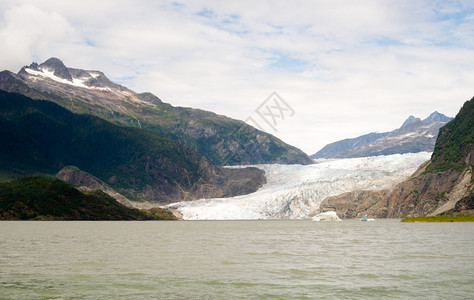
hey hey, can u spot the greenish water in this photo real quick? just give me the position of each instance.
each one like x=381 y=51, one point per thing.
x=236 y=259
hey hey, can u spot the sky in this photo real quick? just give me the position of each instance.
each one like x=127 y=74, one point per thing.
x=308 y=72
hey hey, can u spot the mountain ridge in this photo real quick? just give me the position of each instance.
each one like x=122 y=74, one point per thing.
x=42 y=137
x=414 y=135
x=442 y=185
x=437 y=117
x=224 y=141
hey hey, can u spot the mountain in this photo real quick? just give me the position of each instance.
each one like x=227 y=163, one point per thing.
x=42 y=137
x=37 y=198
x=332 y=149
x=437 y=117
x=224 y=141
x=443 y=185
x=415 y=135
x=411 y=119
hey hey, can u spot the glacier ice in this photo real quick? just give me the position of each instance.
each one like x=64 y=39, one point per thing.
x=296 y=191
x=329 y=216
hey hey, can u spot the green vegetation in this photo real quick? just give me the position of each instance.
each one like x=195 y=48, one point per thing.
x=414 y=193
x=441 y=196
x=40 y=137
x=38 y=198
x=455 y=141
x=213 y=136
x=158 y=213
x=441 y=218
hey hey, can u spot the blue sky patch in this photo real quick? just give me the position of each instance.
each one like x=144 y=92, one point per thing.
x=288 y=63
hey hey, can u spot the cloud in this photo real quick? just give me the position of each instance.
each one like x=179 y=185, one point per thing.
x=29 y=32
x=346 y=68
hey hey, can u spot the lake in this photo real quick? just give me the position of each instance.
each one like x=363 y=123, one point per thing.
x=236 y=259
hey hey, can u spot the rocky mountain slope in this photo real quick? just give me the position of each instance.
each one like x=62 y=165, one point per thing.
x=42 y=137
x=444 y=185
x=333 y=149
x=86 y=182
x=222 y=140
x=415 y=135
x=37 y=198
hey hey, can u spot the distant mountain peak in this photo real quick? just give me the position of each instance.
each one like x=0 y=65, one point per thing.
x=437 y=117
x=414 y=135
x=53 y=62
x=410 y=119
x=56 y=65
x=54 y=69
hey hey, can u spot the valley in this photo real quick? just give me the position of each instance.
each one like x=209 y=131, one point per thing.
x=84 y=129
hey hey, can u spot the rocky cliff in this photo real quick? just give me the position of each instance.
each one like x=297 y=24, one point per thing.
x=443 y=185
x=353 y=204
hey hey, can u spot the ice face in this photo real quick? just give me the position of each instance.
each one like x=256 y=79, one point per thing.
x=296 y=191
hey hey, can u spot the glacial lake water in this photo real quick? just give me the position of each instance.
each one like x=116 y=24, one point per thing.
x=236 y=260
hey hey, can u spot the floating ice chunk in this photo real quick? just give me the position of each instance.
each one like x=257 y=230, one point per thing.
x=326 y=216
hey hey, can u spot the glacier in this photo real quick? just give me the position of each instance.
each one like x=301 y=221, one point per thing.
x=296 y=191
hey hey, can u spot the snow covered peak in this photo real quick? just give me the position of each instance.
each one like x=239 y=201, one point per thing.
x=45 y=73
x=53 y=76
x=57 y=67
x=54 y=69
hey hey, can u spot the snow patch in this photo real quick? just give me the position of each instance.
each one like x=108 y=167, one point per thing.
x=296 y=191
x=94 y=74
x=78 y=82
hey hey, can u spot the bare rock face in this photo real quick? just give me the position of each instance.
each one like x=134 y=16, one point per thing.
x=423 y=194
x=444 y=185
x=57 y=67
x=219 y=183
x=427 y=194
x=445 y=180
x=465 y=205
x=87 y=182
x=229 y=182
x=80 y=178
x=353 y=204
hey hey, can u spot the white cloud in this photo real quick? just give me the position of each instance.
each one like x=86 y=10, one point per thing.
x=345 y=67
x=28 y=32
